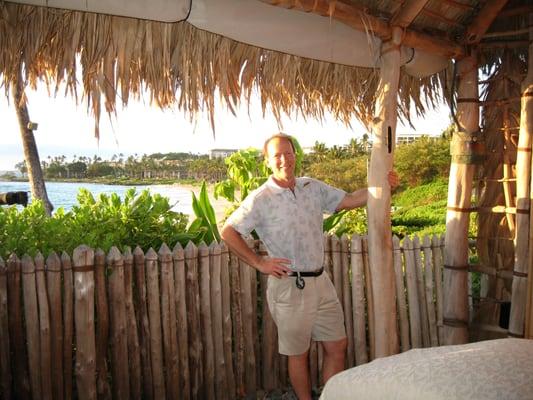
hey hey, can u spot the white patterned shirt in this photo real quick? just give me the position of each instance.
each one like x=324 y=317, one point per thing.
x=289 y=224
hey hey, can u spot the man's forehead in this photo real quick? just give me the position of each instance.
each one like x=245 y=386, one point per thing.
x=279 y=143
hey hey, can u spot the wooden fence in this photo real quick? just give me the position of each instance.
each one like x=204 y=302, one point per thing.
x=184 y=324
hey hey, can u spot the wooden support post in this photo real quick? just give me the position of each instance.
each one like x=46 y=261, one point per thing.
x=455 y=329
x=522 y=293
x=379 y=226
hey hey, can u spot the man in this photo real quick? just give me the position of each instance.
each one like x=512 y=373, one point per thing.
x=287 y=213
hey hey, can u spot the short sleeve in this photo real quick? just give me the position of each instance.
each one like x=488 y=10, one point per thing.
x=246 y=218
x=330 y=197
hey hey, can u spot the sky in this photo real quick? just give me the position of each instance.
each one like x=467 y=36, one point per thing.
x=65 y=128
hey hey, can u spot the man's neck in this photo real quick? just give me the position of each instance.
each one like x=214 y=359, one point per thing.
x=285 y=183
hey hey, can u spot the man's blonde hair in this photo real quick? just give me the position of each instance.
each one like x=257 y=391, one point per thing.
x=281 y=136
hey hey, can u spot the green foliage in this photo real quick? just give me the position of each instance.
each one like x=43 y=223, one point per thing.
x=423 y=160
x=145 y=220
x=346 y=174
x=205 y=216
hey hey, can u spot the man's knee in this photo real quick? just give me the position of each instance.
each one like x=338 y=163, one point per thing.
x=335 y=348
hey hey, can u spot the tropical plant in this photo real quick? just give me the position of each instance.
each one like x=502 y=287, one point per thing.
x=205 y=216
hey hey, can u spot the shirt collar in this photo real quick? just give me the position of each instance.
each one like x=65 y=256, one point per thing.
x=271 y=184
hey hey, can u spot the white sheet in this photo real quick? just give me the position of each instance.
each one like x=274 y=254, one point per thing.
x=494 y=369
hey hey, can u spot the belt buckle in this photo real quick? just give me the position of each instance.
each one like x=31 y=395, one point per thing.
x=300 y=282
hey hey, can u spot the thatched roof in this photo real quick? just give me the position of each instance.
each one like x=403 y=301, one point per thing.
x=178 y=64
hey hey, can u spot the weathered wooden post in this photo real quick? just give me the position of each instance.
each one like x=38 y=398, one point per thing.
x=465 y=147
x=379 y=225
x=521 y=310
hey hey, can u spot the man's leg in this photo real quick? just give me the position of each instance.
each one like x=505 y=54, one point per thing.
x=299 y=375
x=334 y=353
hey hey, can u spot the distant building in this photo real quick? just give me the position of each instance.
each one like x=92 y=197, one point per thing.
x=221 y=153
x=403 y=138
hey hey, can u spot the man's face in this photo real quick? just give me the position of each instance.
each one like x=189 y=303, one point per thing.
x=281 y=158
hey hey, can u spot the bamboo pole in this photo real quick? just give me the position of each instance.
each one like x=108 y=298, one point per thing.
x=507 y=167
x=103 y=389
x=168 y=321
x=455 y=310
x=85 y=371
x=521 y=317
x=45 y=339
x=68 y=322
x=400 y=295
x=437 y=263
x=369 y=301
x=31 y=316
x=180 y=290
x=347 y=300
x=141 y=305
x=21 y=383
x=358 y=301
x=227 y=322
x=208 y=346
x=193 y=321
x=430 y=305
x=412 y=294
x=215 y=289
x=134 y=357
x=5 y=348
x=154 y=319
x=378 y=204
x=117 y=332
x=421 y=291
x=53 y=286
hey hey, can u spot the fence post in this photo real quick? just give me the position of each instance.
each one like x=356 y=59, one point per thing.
x=83 y=267
x=68 y=322
x=358 y=300
x=437 y=262
x=31 y=316
x=154 y=318
x=181 y=320
x=134 y=358
x=227 y=321
x=5 y=358
x=168 y=318
x=400 y=294
x=141 y=304
x=428 y=274
x=53 y=282
x=208 y=358
x=347 y=299
x=421 y=291
x=117 y=312
x=103 y=389
x=412 y=294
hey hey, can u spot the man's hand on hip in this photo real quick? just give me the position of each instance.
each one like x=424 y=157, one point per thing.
x=277 y=267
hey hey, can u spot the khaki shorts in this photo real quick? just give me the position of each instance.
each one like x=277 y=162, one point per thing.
x=301 y=315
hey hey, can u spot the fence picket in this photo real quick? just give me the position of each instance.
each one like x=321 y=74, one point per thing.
x=238 y=329
x=428 y=275
x=347 y=299
x=369 y=300
x=85 y=371
x=68 y=322
x=154 y=318
x=358 y=301
x=227 y=322
x=193 y=321
x=337 y=266
x=400 y=295
x=140 y=298
x=168 y=321
x=118 y=334
x=206 y=323
x=44 y=328
x=31 y=316
x=134 y=357
x=437 y=245
x=419 y=268
x=178 y=257
x=215 y=290
x=5 y=357
x=412 y=294
x=102 y=326
x=53 y=283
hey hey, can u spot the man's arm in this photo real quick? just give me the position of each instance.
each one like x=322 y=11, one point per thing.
x=271 y=266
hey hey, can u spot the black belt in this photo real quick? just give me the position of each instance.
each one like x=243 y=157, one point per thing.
x=300 y=283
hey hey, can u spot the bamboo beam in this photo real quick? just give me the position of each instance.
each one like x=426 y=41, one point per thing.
x=358 y=18
x=483 y=20
x=379 y=232
x=457 y=4
x=407 y=13
x=455 y=330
